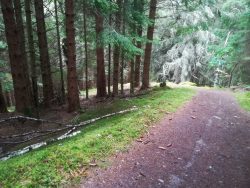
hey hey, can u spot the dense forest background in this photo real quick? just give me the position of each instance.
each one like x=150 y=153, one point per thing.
x=53 y=51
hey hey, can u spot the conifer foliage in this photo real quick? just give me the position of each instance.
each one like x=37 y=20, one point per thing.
x=58 y=49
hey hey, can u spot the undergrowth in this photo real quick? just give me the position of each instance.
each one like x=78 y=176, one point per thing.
x=244 y=100
x=66 y=162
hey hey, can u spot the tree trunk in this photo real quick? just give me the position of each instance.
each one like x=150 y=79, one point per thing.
x=138 y=60
x=122 y=72
x=3 y=107
x=48 y=93
x=148 y=49
x=59 y=53
x=73 y=92
x=101 y=79
x=132 y=76
x=231 y=74
x=116 y=55
x=6 y=99
x=123 y=54
x=139 y=6
x=32 y=55
x=109 y=60
x=86 y=50
x=109 y=69
x=17 y=63
x=20 y=28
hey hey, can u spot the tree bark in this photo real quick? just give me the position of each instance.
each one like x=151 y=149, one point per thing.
x=109 y=69
x=138 y=60
x=116 y=55
x=122 y=72
x=73 y=92
x=32 y=55
x=17 y=63
x=123 y=53
x=3 y=107
x=101 y=79
x=140 y=8
x=86 y=50
x=59 y=53
x=21 y=35
x=6 y=99
x=148 y=49
x=231 y=74
x=109 y=59
x=132 y=76
x=48 y=93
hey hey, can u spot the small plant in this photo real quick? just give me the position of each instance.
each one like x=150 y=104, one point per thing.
x=163 y=84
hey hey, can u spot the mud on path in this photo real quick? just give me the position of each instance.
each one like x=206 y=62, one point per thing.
x=205 y=144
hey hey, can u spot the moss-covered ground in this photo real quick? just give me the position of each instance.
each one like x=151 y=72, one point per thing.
x=66 y=162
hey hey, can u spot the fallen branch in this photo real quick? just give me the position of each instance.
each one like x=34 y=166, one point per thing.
x=32 y=132
x=62 y=129
x=102 y=117
x=29 y=119
x=34 y=137
x=68 y=134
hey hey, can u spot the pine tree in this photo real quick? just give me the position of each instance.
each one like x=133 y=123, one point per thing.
x=32 y=55
x=140 y=9
x=21 y=35
x=48 y=92
x=73 y=93
x=59 y=53
x=3 y=108
x=138 y=60
x=132 y=76
x=101 y=78
x=124 y=14
x=116 y=55
x=19 y=74
x=148 y=49
x=86 y=50
x=109 y=57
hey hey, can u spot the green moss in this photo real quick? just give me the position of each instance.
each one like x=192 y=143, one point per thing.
x=65 y=162
x=244 y=100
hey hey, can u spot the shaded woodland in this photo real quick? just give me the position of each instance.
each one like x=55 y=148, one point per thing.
x=79 y=82
x=53 y=49
x=54 y=52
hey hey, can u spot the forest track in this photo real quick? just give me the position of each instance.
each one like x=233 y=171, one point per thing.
x=204 y=144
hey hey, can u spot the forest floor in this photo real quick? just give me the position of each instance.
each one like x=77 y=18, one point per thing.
x=205 y=144
x=65 y=162
x=14 y=133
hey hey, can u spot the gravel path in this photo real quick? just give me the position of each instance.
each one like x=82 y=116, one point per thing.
x=205 y=144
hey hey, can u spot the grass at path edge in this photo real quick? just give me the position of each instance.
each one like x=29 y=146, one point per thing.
x=65 y=162
x=244 y=100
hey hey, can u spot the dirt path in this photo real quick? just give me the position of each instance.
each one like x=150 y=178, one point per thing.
x=207 y=144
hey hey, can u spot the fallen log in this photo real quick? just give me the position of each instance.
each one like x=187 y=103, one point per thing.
x=68 y=134
x=62 y=129
x=28 y=119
